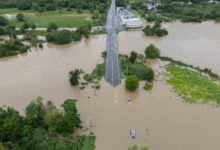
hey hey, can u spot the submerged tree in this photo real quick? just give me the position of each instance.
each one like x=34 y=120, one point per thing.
x=131 y=83
x=152 y=51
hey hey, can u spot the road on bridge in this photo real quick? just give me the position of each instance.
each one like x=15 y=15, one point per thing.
x=112 y=68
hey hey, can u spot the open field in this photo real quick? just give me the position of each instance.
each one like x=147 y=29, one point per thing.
x=192 y=86
x=62 y=18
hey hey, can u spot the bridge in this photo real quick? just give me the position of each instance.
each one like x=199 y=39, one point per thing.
x=112 y=68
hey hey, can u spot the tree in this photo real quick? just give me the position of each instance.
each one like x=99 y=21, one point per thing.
x=33 y=26
x=25 y=26
x=20 y=17
x=3 y=21
x=150 y=74
x=2 y=31
x=71 y=116
x=74 y=77
x=133 y=57
x=76 y=36
x=54 y=119
x=52 y=27
x=59 y=37
x=11 y=124
x=24 y=5
x=131 y=83
x=50 y=7
x=35 y=113
x=152 y=51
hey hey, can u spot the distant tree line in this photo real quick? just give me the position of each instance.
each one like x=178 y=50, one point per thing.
x=49 y=5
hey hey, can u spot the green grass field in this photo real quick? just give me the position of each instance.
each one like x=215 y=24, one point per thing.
x=192 y=86
x=62 y=18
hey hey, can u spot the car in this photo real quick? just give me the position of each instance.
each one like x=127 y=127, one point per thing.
x=133 y=133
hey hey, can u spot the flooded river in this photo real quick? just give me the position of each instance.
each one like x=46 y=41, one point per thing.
x=162 y=120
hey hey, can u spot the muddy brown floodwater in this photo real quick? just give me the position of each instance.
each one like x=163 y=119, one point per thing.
x=162 y=120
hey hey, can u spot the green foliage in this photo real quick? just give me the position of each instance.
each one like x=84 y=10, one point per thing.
x=76 y=36
x=20 y=17
x=2 y=147
x=40 y=45
x=139 y=6
x=141 y=71
x=66 y=36
x=84 y=30
x=152 y=51
x=60 y=37
x=54 y=119
x=33 y=26
x=3 y=21
x=131 y=83
x=155 y=30
x=180 y=63
x=197 y=12
x=2 y=31
x=99 y=71
x=148 y=86
x=40 y=128
x=10 y=125
x=138 y=68
x=74 y=76
x=52 y=27
x=151 y=17
x=12 y=47
x=71 y=116
x=192 y=86
x=25 y=26
x=133 y=56
x=122 y=3
x=135 y=147
x=35 y=113
x=32 y=38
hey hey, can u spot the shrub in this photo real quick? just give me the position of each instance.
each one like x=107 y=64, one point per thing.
x=155 y=30
x=76 y=36
x=148 y=86
x=131 y=83
x=20 y=17
x=59 y=37
x=151 y=17
x=3 y=21
x=133 y=57
x=2 y=31
x=74 y=77
x=52 y=27
x=152 y=52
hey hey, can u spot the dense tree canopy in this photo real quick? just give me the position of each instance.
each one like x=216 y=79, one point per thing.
x=152 y=51
x=12 y=47
x=131 y=83
x=48 y=5
x=41 y=127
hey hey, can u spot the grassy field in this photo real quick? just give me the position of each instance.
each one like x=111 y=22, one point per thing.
x=192 y=86
x=62 y=18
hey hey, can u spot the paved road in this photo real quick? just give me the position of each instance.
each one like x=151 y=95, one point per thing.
x=112 y=73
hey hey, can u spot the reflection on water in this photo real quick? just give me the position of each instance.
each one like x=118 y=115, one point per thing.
x=161 y=119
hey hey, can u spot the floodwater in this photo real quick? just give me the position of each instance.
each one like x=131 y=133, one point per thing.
x=162 y=120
